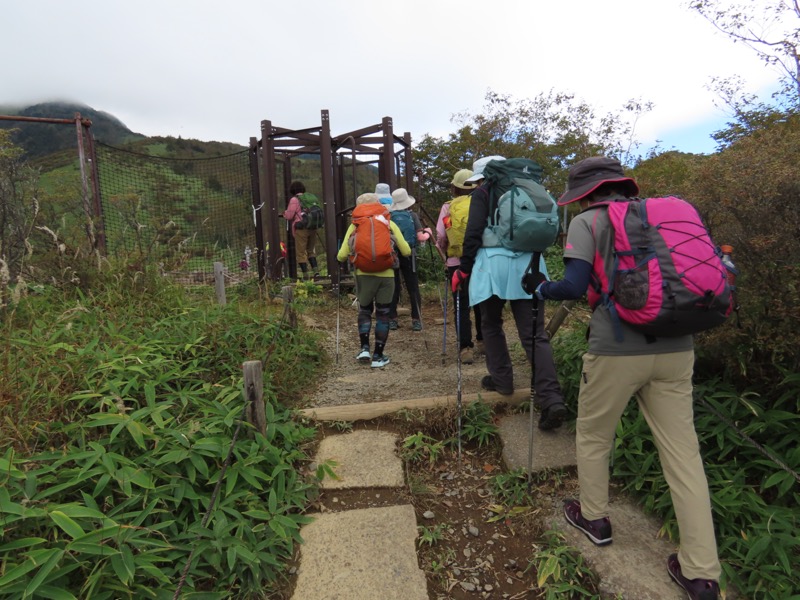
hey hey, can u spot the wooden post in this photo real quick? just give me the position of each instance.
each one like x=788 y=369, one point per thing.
x=287 y=292
x=558 y=317
x=219 y=282
x=256 y=412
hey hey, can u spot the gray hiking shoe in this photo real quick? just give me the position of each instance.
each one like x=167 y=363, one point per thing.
x=364 y=356
x=378 y=362
x=393 y=325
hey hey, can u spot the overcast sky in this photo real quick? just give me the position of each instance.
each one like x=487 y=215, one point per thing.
x=213 y=70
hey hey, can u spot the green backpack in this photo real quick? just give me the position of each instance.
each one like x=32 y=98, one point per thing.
x=311 y=215
x=523 y=216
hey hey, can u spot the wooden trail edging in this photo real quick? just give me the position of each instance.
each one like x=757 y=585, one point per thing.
x=364 y=412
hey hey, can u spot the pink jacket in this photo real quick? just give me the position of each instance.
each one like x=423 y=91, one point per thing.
x=293 y=212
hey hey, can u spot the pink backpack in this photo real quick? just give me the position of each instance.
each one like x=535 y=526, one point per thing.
x=664 y=275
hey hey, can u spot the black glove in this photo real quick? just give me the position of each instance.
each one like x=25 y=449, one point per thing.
x=530 y=281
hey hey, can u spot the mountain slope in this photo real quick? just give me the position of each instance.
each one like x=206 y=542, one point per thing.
x=42 y=139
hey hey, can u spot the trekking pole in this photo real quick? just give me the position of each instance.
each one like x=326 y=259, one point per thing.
x=338 y=310
x=535 y=314
x=458 y=374
x=417 y=300
x=444 y=312
x=443 y=298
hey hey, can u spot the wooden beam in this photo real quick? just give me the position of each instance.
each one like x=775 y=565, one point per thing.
x=372 y=410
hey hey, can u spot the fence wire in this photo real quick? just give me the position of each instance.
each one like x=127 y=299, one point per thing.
x=181 y=215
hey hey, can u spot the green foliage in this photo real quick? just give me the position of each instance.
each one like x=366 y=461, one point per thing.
x=511 y=488
x=431 y=535
x=478 y=423
x=562 y=571
x=554 y=129
x=420 y=446
x=308 y=292
x=569 y=346
x=116 y=421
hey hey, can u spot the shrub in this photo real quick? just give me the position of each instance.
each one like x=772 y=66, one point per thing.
x=130 y=410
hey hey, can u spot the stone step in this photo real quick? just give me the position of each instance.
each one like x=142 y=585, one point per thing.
x=361 y=554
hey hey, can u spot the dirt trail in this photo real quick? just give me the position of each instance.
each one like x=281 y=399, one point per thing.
x=418 y=367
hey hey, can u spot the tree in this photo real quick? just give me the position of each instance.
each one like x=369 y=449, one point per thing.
x=554 y=129
x=771 y=32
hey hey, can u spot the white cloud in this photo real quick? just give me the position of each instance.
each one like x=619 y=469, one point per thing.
x=207 y=70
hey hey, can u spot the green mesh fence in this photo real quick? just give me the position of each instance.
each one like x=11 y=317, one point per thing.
x=182 y=215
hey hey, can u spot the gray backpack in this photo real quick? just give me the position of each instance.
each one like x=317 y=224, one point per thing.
x=523 y=215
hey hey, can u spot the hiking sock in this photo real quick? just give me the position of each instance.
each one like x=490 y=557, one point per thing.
x=382 y=324
x=379 y=346
x=364 y=323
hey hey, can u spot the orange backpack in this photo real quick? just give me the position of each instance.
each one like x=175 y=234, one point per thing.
x=371 y=247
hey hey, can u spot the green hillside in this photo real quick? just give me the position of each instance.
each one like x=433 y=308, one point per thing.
x=43 y=139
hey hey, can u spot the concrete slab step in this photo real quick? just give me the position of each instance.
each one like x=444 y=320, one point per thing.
x=367 y=553
x=361 y=554
x=634 y=565
x=364 y=459
x=551 y=449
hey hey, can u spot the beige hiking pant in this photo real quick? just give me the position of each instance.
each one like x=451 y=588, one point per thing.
x=662 y=384
x=305 y=241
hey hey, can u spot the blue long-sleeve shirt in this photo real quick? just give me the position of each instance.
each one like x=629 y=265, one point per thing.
x=577 y=274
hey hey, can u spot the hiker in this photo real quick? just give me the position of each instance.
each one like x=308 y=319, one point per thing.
x=305 y=240
x=657 y=370
x=383 y=193
x=374 y=289
x=411 y=228
x=450 y=229
x=494 y=276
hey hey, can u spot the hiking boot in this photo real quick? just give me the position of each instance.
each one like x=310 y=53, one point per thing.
x=696 y=589
x=480 y=349
x=598 y=530
x=393 y=325
x=466 y=355
x=487 y=383
x=416 y=325
x=378 y=362
x=552 y=417
x=364 y=356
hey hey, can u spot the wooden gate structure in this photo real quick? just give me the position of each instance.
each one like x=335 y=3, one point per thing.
x=374 y=145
